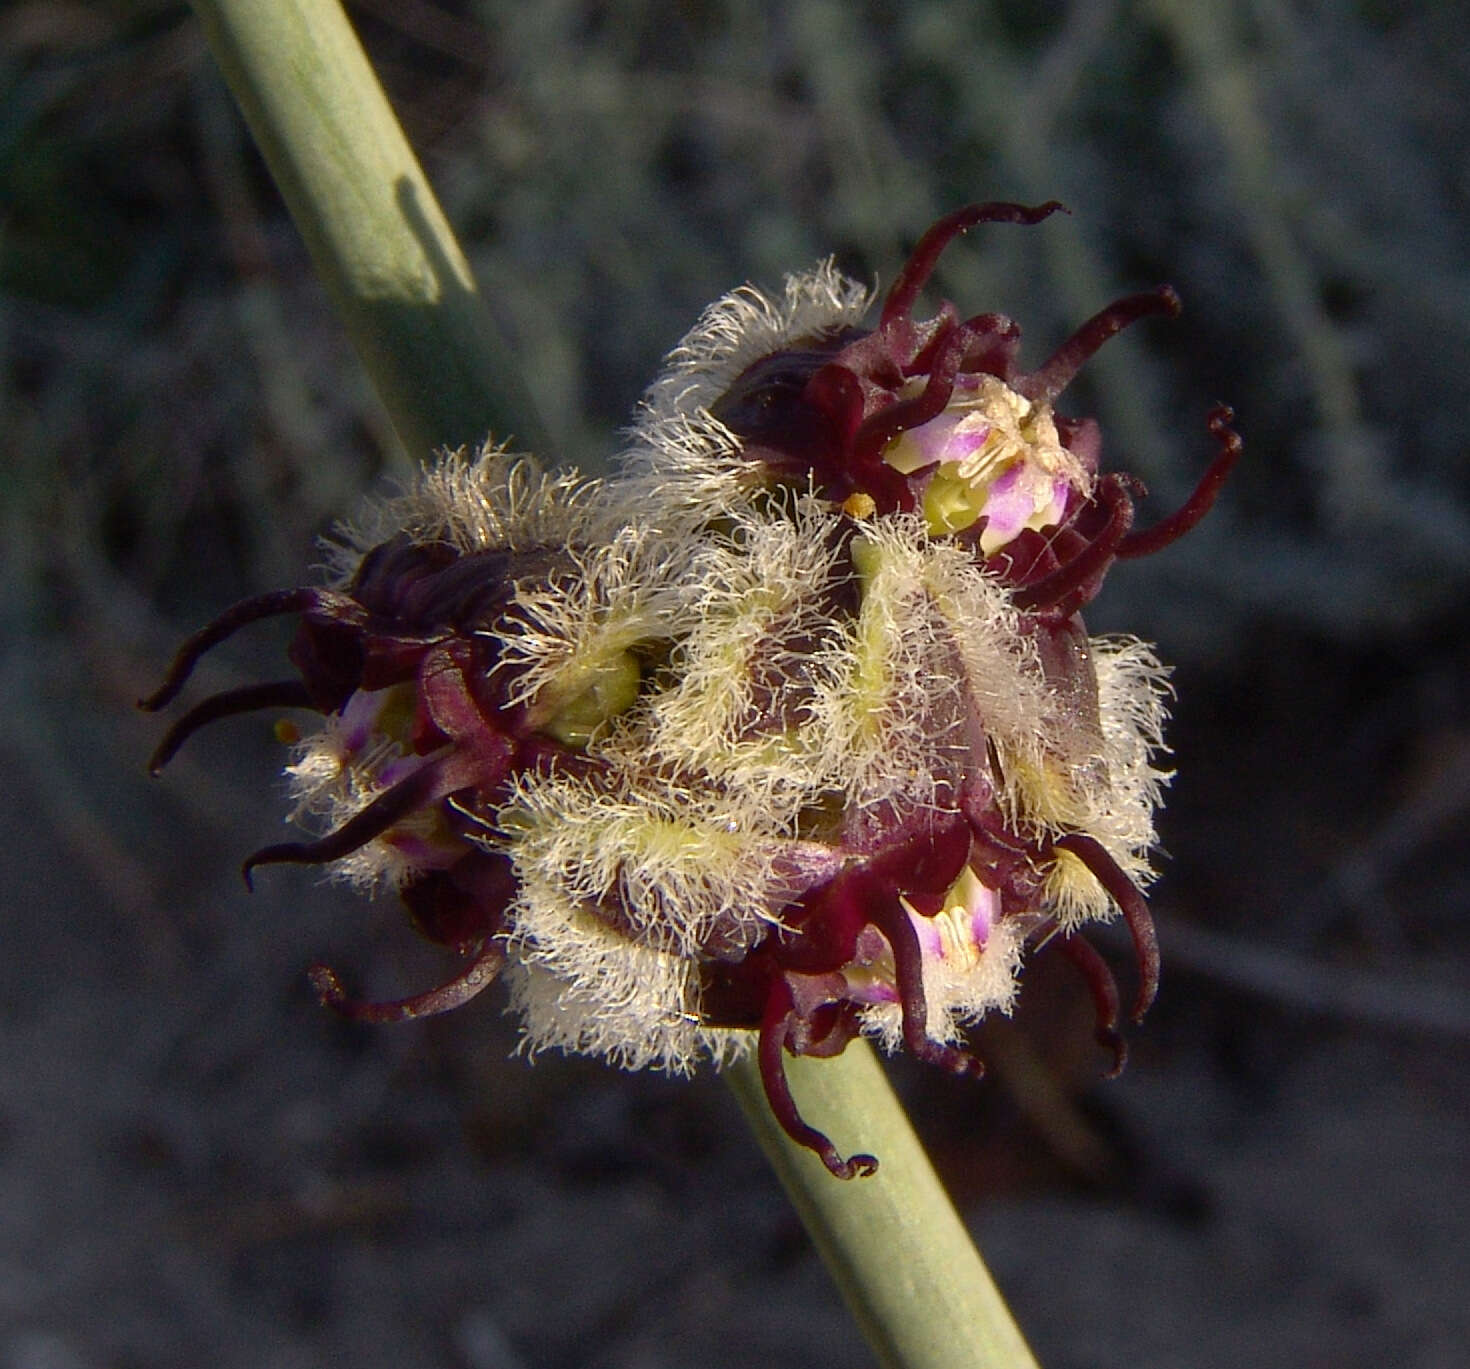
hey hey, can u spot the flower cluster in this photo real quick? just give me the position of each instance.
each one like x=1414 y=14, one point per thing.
x=787 y=732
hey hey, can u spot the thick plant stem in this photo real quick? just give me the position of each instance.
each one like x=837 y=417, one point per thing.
x=893 y=1242
x=373 y=226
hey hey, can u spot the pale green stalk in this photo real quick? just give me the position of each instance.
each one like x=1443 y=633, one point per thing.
x=893 y=1242
x=375 y=230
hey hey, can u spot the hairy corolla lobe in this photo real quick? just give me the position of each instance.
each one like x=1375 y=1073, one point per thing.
x=788 y=732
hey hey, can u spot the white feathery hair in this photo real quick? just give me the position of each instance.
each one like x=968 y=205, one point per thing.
x=675 y=864
x=756 y=606
x=482 y=501
x=744 y=325
x=681 y=864
x=1002 y=668
x=1113 y=799
x=680 y=457
x=589 y=991
x=889 y=695
x=621 y=592
x=684 y=470
x=1132 y=688
x=678 y=864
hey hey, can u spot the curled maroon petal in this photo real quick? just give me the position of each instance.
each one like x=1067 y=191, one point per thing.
x=423 y=786
x=908 y=962
x=774 y=1029
x=476 y=977
x=925 y=256
x=273 y=605
x=1048 y=381
x=227 y=704
x=1104 y=988
x=910 y=413
x=1170 y=529
x=1125 y=893
x=1064 y=590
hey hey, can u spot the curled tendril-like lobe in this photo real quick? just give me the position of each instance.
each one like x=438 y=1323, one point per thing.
x=1094 y=855
x=1095 y=970
x=788 y=732
x=479 y=974
x=1170 y=529
x=1045 y=384
x=226 y=704
x=780 y=1030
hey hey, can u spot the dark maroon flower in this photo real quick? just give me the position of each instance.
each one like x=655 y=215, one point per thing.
x=788 y=732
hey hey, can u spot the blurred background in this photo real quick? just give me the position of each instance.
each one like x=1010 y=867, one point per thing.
x=197 y=1165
